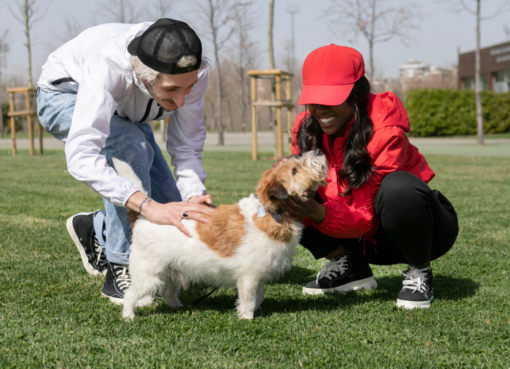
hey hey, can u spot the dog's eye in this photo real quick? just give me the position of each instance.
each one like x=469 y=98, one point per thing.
x=294 y=171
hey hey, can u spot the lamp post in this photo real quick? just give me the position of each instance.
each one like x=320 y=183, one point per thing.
x=292 y=9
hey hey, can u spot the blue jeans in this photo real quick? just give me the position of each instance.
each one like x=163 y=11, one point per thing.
x=131 y=142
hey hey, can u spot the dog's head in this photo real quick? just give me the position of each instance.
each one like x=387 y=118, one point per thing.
x=292 y=178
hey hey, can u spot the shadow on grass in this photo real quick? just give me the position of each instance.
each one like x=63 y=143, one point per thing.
x=224 y=300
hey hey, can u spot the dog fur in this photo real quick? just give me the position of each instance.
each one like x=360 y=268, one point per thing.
x=236 y=248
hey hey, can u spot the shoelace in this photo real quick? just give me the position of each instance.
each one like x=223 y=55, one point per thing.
x=333 y=268
x=122 y=275
x=416 y=278
x=101 y=256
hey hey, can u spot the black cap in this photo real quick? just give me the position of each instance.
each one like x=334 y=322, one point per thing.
x=164 y=43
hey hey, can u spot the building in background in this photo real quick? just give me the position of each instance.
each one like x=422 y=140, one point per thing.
x=417 y=75
x=494 y=68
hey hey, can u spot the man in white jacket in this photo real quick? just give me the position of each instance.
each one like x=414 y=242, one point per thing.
x=97 y=93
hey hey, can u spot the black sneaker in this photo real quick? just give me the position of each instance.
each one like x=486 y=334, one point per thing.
x=117 y=283
x=347 y=272
x=417 y=288
x=81 y=230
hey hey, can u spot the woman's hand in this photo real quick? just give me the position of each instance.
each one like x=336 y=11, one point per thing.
x=171 y=213
x=298 y=208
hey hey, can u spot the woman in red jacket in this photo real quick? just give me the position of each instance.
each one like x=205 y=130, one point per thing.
x=377 y=207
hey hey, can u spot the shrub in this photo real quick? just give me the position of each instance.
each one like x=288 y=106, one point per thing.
x=453 y=112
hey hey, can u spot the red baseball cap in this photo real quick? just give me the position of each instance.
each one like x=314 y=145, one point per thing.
x=329 y=73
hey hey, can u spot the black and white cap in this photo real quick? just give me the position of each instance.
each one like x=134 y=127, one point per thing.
x=164 y=44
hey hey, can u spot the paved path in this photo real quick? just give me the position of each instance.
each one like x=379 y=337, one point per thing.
x=241 y=142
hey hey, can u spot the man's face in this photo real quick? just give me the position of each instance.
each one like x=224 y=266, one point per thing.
x=169 y=90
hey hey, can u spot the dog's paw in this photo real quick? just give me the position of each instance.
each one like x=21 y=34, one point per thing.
x=128 y=315
x=144 y=301
x=174 y=304
x=246 y=316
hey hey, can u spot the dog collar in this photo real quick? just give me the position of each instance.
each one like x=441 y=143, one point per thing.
x=261 y=213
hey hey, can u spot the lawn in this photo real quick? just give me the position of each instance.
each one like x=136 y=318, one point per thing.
x=52 y=315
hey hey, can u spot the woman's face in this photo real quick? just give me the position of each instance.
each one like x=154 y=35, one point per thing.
x=333 y=119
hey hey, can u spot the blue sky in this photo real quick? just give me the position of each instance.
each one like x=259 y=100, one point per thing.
x=437 y=42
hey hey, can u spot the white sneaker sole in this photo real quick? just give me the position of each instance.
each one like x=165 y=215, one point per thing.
x=144 y=301
x=89 y=268
x=363 y=284
x=408 y=305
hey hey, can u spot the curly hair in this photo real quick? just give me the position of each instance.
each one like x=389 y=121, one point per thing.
x=358 y=168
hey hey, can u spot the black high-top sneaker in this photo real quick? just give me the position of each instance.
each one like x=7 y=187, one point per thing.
x=347 y=272
x=117 y=283
x=417 y=288
x=81 y=230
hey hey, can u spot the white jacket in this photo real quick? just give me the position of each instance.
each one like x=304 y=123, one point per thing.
x=97 y=60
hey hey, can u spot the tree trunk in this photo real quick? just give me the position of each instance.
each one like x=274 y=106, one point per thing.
x=270 y=35
x=371 y=44
x=27 y=33
x=272 y=66
x=219 y=97
x=212 y=120
x=230 y=116
x=478 y=87
x=219 y=90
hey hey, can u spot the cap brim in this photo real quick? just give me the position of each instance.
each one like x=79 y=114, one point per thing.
x=331 y=95
x=133 y=45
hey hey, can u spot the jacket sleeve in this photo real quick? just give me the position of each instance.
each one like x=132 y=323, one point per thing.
x=356 y=218
x=185 y=141
x=90 y=128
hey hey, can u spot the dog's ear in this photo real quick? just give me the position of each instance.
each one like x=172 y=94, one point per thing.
x=277 y=191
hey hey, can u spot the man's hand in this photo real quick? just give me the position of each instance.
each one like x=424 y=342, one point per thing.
x=206 y=200
x=171 y=213
x=298 y=207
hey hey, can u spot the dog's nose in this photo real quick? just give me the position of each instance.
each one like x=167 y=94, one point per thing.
x=318 y=152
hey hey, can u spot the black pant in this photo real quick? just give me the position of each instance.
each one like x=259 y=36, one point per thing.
x=417 y=225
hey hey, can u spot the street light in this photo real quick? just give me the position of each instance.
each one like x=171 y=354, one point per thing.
x=292 y=9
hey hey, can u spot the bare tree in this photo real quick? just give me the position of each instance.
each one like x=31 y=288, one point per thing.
x=160 y=9
x=120 y=11
x=29 y=12
x=477 y=12
x=244 y=50
x=378 y=21
x=218 y=19
x=4 y=49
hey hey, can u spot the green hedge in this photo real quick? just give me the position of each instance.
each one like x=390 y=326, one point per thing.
x=453 y=112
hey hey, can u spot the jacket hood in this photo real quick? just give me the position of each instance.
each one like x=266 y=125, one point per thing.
x=386 y=109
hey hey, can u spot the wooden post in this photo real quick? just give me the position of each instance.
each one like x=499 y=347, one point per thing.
x=288 y=95
x=41 y=131
x=278 y=85
x=254 y=154
x=30 y=123
x=13 y=124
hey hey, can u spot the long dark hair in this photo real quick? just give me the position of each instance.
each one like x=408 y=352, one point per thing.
x=358 y=168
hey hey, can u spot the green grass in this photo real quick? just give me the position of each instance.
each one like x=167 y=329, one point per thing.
x=52 y=315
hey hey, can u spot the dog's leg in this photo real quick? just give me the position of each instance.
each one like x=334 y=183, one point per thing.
x=247 y=289
x=260 y=296
x=144 y=283
x=170 y=293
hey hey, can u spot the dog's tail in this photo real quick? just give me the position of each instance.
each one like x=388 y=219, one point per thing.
x=124 y=170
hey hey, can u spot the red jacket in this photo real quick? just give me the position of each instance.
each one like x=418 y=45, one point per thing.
x=353 y=216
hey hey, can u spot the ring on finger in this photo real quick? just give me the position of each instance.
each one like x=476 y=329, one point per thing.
x=185 y=214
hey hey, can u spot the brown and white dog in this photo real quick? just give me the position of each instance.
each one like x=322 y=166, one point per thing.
x=243 y=245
